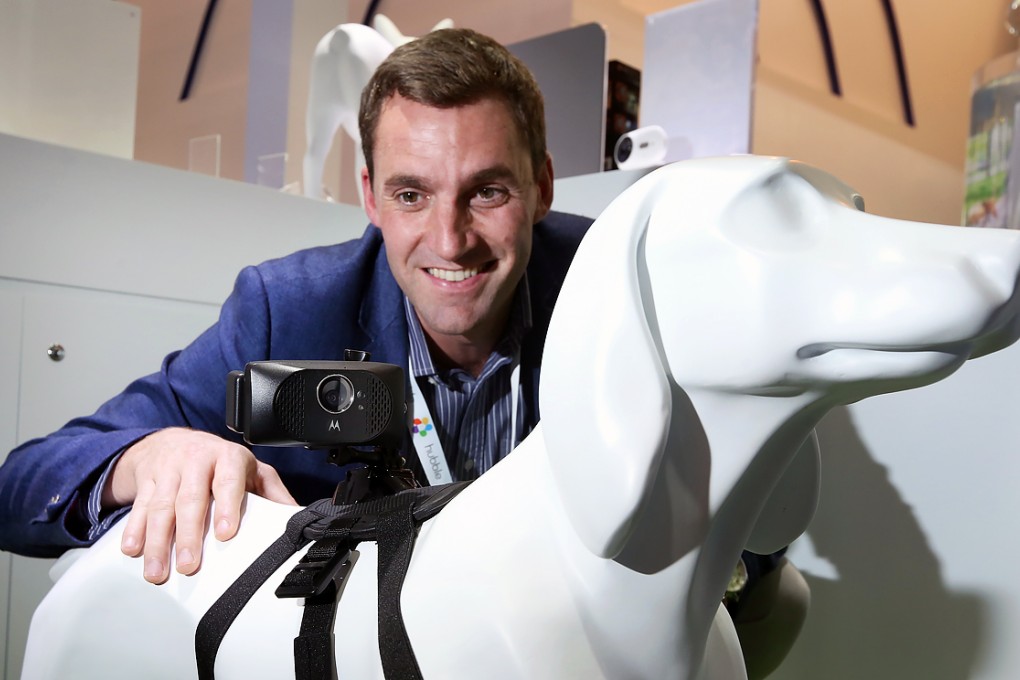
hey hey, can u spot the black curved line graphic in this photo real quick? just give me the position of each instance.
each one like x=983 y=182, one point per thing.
x=830 y=55
x=373 y=7
x=196 y=54
x=901 y=66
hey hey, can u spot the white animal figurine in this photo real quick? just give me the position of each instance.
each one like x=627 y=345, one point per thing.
x=342 y=65
x=715 y=311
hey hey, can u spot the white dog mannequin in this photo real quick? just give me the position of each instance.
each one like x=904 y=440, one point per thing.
x=344 y=60
x=716 y=310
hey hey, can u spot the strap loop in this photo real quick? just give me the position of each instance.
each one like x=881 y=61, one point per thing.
x=320 y=565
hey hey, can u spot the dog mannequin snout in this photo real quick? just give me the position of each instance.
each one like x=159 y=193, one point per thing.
x=997 y=266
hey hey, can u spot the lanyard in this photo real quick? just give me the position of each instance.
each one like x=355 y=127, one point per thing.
x=426 y=438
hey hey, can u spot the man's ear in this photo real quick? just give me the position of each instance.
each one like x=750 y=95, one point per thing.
x=544 y=182
x=371 y=209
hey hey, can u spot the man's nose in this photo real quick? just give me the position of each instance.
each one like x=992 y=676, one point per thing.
x=450 y=230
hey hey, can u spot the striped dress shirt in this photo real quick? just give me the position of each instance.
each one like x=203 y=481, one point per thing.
x=472 y=416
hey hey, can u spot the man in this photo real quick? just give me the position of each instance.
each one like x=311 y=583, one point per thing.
x=460 y=184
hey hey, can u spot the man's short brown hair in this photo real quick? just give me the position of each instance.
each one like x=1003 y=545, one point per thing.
x=455 y=67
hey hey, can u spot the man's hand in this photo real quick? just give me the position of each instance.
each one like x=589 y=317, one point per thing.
x=167 y=478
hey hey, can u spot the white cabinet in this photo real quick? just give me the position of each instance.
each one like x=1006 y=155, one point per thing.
x=10 y=351
x=107 y=340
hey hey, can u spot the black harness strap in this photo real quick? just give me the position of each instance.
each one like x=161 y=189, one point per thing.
x=217 y=620
x=313 y=647
x=320 y=576
x=397 y=531
x=393 y=522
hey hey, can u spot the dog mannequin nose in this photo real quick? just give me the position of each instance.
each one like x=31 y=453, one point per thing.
x=996 y=260
x=996 y=276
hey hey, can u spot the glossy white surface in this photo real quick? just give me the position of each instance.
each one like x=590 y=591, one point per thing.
x=715 y=312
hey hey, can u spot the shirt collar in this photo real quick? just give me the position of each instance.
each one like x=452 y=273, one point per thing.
x=509 y=346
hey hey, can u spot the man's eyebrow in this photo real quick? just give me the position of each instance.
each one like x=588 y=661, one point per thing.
x=500 y=172
x=404 y=182
x=496 y=172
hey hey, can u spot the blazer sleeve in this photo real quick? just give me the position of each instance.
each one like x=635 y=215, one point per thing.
x=44 y=482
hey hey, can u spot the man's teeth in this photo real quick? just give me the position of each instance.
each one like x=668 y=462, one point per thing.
x=454 y=275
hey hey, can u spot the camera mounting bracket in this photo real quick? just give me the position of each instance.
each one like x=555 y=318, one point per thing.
x=383 y=474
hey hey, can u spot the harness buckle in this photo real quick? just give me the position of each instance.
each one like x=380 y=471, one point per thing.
x=323 y=564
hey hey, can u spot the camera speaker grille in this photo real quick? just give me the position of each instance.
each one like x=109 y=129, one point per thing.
x=380 y=407
x=290 y=407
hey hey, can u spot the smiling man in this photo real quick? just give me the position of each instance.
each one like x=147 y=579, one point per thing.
x=456 y=200
x=459 y=181
x=455 y=281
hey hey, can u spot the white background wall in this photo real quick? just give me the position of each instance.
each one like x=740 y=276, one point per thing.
x=69 y=72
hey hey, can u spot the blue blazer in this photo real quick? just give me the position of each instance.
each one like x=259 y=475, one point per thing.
x=310 y=305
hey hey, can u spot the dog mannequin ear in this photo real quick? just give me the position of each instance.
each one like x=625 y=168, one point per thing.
x=604 y=393
x=387 y=29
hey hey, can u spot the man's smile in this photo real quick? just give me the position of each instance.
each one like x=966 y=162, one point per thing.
x=456 y=275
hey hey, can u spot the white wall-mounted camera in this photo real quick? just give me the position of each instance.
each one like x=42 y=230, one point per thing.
x=641 y=148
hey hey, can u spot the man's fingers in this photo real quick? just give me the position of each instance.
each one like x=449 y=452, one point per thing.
x=161 y=516
x=192 y=509
x=133 y=539
x=269 y=485
x=169 y=477
x=229 y=484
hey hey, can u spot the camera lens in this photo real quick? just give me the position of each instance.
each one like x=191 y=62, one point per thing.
x=623 y=149
x=336 y=394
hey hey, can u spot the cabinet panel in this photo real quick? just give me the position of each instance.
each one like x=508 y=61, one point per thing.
x=5 y=589
x=108 y=340
x=10 y=350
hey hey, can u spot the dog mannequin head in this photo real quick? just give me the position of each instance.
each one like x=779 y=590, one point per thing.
x=756 y=277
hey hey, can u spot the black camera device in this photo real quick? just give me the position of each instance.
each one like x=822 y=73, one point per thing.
x=318 y=404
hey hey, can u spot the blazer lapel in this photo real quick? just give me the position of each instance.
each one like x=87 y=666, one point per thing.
x=382 y=317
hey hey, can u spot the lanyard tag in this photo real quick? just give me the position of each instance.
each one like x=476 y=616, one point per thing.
x=426 y=439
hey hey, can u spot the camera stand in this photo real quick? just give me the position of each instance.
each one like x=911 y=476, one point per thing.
x=384 y=474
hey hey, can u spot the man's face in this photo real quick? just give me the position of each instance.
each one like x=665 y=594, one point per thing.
x=456 y=198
